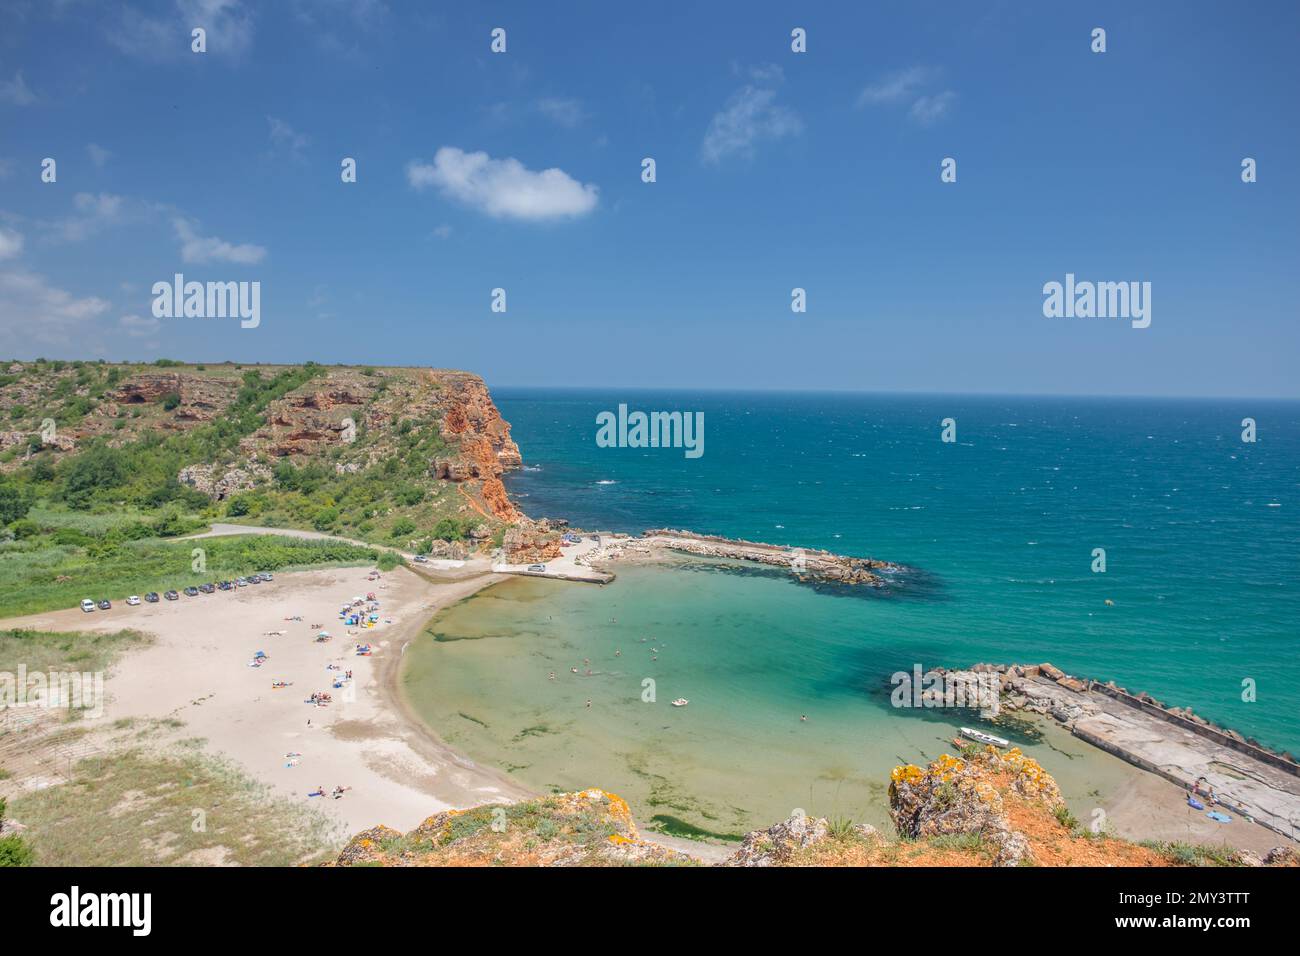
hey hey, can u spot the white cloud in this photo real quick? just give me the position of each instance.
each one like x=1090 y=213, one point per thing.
x=503 y=188
x=284 y=138
x=442 y=232
x=908 y=86
x=896 y=87
x=98 y=155
x=166 y=36
x=564 y=112
x=751 y=115
x=35 y=312
x=931 y=109
x=196 y=248
x=95 y=211
x=11 y=243
x=139 y=328
x=16 y=91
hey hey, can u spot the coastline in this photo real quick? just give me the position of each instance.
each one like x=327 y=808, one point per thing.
x=400 y=768
x=192 y=684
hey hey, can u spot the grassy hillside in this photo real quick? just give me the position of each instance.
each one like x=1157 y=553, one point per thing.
x=101 y=463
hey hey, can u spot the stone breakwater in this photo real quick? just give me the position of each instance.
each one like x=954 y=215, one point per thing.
x=1175 y=743
x=808 y=564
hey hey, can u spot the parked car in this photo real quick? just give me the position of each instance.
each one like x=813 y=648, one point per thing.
x=241 y=582
x=171 y=596
x=268 y=576
x=88 y=605
x=536 y=567
x=133 y=600
x=191 y=591
x=254 y=579
x=207 y=588
x=225 y=586
x=105 y=604
x=152 y=597
x=421 y=559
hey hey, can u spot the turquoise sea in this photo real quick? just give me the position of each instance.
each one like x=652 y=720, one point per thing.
x=1200 y=530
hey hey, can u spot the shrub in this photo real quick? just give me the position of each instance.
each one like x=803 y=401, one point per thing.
x=15 y=502
x=13 y=851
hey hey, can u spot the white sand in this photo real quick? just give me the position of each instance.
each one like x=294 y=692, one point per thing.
x=197 y=671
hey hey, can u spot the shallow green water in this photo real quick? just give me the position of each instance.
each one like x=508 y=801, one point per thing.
x=738 y=756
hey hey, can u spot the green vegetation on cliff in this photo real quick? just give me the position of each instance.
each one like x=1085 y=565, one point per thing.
x=101 y=463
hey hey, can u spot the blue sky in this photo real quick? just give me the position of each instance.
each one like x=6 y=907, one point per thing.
x=775 y=170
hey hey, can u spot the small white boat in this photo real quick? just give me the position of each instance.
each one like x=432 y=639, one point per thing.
x=980 y=737
x=680 y=702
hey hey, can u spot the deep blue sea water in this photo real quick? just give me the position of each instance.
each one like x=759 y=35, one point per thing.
x=1201 y=530
x=1202 y=537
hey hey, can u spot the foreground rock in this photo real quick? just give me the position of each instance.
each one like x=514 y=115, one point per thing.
x=984 y=808
x=587 y=828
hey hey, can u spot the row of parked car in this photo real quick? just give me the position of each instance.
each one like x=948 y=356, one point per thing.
x=153 y=597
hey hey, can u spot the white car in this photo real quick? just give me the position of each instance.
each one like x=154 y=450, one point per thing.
x=133 y=600
x=88 y=605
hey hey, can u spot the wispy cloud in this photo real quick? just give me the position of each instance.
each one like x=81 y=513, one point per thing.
x=11 y=243
x=34 y=311
x=564 y=112
x=16 y=91
x=93 y=213
x=749 y=116
x=139 y=327
x=286 y=139
x=196 y=248
x=98 y=155
x=503 y=188
x=912 y=85
x=166 y=35
x=337 y=25
x=931 y=109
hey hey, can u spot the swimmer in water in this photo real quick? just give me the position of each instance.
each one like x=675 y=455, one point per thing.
x=803 y=717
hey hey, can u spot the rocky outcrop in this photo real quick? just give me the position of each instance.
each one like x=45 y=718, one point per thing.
x=531 y=542
x=586 y=828
x=957 y=795
x=198 y=398
x=982 y=809
x=481 y=447
x=780 y=843
x=220 y=482
x=807 y=564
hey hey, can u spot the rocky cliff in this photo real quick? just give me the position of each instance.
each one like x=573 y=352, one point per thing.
x=983 y=808
x=427 y=444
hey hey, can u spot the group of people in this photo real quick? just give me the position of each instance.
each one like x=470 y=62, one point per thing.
x=337 y=792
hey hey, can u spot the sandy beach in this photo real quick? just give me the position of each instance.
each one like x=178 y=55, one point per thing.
x=368 y=739
x=197 y=671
